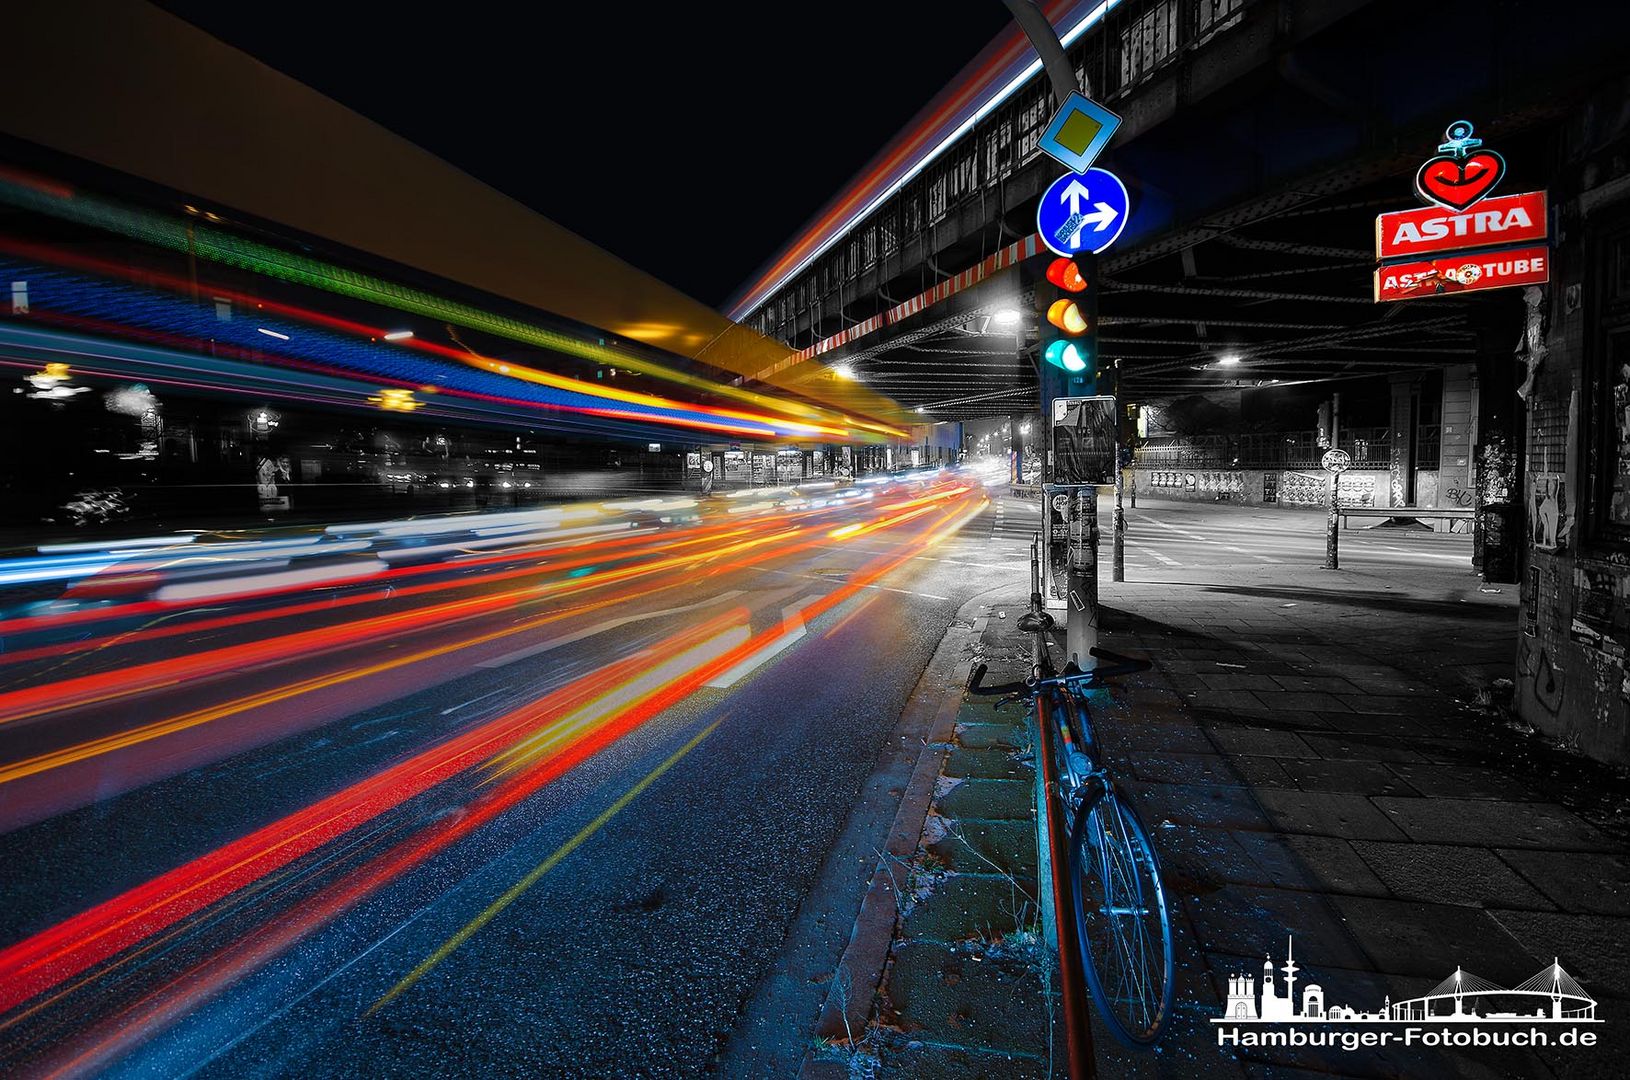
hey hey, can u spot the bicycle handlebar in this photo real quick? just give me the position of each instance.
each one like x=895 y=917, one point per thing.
x=1121 y=665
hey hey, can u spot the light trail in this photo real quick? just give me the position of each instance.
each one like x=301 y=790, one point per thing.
x=485 y=769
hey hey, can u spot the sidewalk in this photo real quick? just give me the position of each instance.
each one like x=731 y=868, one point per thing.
x=1317 y=756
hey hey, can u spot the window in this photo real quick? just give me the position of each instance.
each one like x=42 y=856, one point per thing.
x=19 y=298
x=1213 y=15
x=1146 y=41
x=936 y=199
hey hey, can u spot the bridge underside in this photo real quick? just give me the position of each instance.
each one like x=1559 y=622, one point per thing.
x=1257 y=166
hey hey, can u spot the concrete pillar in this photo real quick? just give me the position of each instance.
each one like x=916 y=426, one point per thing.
x=1401 y=482
x=1455 y=476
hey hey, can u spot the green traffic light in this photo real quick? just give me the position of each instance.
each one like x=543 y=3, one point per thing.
x=1065 y=354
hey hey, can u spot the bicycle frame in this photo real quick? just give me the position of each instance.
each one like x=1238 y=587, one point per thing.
x=1081 y=809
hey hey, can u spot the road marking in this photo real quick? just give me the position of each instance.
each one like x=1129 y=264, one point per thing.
x=472 y=701
x=532 y=877
x=598 y=628
x=792 y=629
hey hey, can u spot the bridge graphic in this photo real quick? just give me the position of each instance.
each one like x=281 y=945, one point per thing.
x=1550 y=996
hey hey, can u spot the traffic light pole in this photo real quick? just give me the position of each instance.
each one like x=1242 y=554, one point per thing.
x=1081 y=629
x=1332 y=524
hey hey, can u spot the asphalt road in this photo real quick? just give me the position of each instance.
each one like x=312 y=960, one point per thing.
x=550 y=814
x=545 y=804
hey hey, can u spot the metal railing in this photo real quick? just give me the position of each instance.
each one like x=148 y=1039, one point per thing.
x=1370 y=448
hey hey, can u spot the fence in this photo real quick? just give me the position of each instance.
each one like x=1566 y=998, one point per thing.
x=1370 y=448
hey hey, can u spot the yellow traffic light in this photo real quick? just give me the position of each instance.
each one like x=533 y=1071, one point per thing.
x=1066 y=315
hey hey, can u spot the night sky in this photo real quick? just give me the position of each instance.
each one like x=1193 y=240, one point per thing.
x=761 y=111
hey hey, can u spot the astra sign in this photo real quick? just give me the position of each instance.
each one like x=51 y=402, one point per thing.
x=1459 y=227
x=1463 y=272
x=1509 y=219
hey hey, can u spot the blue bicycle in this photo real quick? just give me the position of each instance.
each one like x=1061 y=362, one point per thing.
x=1122 y=921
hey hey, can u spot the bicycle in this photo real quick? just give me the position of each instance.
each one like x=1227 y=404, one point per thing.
x=1121 y=915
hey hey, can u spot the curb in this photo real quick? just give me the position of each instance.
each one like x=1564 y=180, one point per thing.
x=866 y=954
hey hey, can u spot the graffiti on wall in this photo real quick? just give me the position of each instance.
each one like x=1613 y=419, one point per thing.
x=1310 y=489
x=1547 y=513
x=1601 y=608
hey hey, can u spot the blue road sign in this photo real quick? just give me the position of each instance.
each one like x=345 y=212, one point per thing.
x=1082 y=213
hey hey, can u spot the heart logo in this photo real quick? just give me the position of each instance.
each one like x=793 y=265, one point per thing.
x=1459 y=182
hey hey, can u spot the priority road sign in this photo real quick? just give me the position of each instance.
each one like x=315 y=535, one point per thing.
x=1079 y=132
x=1082 y=214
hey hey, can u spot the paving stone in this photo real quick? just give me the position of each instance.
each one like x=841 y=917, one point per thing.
x=1357 y=777
x=1315 y=863
x=1247 y=921
x=1328 y=684
x=1240 y=680
x=1226 y=700
x=987 y=764
x=1465 y=782
x=1004 y=737
x=1263 y=741
x=915 y=1059
x=943 y=995
x=1304 y=701
x=1449 y=874
x=1181 y=737
x=1261 y=771
x=1595 y=949
x=1577 y=881
x=1211 y=805
x=1361 y=748
x=1183 y=769
x=1327 y=814
x=989 y=799
x=1430 y=940
x=985 y=847
x=965 y=907
x=1492 y=824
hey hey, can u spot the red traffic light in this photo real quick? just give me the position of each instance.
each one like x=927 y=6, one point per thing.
x=1066 y=275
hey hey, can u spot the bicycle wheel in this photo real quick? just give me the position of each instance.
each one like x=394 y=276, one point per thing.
x=1121 y=918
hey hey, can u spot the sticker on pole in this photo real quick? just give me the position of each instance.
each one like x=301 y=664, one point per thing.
x=1336 y=461
x=1082 y=214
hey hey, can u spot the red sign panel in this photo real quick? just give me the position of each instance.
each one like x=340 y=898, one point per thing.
x=1466 y=271
x=1509 y=219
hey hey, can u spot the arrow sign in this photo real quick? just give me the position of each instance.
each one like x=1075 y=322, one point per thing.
x=1067 y=228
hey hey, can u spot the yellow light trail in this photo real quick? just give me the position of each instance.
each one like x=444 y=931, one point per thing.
x=514 y=892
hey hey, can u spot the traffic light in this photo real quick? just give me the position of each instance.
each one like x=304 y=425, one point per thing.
x=1068 y=307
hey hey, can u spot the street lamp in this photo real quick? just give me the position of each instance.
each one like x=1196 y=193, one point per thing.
x=1228 y=360
x=1007 y=316
x=843 y=371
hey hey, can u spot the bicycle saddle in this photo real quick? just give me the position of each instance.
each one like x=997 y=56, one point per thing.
x=1031 y=623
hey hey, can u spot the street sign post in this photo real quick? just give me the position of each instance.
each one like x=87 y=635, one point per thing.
x=1082 y=214
x=1335 y=463
x=1084 y=458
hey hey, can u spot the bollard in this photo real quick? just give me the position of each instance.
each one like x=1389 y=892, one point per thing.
x=1119 y=567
